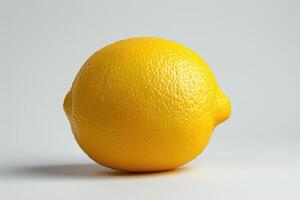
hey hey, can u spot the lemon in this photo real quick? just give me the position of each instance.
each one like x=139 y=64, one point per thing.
x=144 y=104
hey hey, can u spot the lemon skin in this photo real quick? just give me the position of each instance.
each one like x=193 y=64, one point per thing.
x=144 y=104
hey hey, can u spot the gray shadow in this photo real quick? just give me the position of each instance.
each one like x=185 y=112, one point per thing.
x=78 y=171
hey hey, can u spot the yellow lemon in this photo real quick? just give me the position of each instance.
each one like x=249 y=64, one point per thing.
x=144 y=104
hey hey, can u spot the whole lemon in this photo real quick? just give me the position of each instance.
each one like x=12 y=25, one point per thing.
x=144 y=104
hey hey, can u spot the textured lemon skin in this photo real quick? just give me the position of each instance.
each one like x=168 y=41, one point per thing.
x=144 y=104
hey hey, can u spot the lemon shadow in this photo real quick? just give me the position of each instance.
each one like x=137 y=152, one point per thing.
x=78 y=171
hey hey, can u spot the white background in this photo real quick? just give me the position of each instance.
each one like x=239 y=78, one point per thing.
x=252 y=47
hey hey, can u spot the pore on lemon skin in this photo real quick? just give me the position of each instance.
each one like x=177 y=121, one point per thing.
x=144 y=104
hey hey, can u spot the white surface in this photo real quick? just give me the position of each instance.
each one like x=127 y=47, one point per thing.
x=252 y=47
x=214 y=181
x=241 y=178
